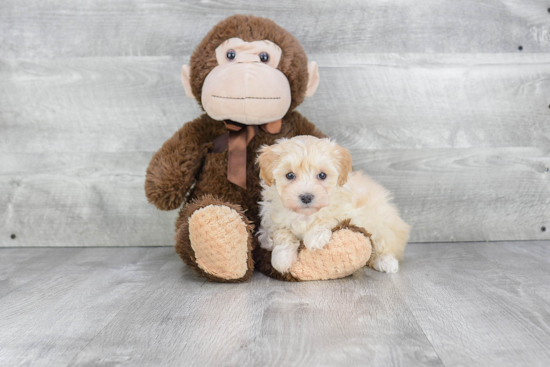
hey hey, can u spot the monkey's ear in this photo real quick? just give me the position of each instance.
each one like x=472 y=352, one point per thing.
x=267 y=160
x=313 y=81
x=345 y=165
x=186 y=80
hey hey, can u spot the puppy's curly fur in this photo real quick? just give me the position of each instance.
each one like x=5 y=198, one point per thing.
x=308 y=188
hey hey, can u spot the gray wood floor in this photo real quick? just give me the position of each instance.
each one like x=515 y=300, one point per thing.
x=461 y=304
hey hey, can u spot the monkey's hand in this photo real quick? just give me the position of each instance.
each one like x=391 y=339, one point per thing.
x=174 y=168
x=349 y=249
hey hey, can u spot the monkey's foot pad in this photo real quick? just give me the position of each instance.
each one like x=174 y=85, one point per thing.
x=219 y=238
x=346 y=252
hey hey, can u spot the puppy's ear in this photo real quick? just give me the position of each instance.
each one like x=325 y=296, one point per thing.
x=266 y=159
x=345 y=165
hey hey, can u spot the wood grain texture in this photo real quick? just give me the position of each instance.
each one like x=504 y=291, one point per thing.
x=90 y=199
x=86 y=199
x=473 y=307
x=466 y=194
x=522 y=262
x=49 y=319
x=261 y=323
x=433 y=98
x=61 y=28
x=475 y=304
x=101 y=104
x=19 y=268
x=433 y=101
x=364 y=101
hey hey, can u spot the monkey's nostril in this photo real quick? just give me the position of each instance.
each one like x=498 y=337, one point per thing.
x=306 y=198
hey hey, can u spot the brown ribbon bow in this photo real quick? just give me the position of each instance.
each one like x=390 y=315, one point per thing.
x=236 y=140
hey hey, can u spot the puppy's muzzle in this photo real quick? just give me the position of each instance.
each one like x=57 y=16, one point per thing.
x=306 y=198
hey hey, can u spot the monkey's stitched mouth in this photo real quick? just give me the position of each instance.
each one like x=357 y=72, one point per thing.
x=245 y=97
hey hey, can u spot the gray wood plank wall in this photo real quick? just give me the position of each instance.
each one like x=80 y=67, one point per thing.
x=434 y=98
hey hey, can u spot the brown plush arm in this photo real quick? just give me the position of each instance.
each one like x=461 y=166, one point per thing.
x=175 y=166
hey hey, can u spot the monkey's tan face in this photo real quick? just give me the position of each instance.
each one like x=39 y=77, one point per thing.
x=246 y=86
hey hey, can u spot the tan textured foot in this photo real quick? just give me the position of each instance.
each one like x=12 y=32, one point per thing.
x=219 y=238
x=346 y=252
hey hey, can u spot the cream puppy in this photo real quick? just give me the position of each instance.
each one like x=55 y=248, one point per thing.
x=308 y=188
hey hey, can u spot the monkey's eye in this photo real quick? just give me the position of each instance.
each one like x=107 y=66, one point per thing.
x=264 y=57
x=231 y=54
x=290 y=176
x=322 y=175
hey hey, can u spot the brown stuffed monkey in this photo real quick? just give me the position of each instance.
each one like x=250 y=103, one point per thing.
x=248 y=74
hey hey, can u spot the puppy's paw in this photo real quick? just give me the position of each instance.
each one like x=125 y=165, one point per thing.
x=386 y=264
x=316 y=239
x=282 y=258
x=266 y=242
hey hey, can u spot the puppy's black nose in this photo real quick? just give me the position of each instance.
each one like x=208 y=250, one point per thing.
x=306 y=198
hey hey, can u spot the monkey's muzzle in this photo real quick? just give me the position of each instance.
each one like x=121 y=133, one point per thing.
x=251 y=93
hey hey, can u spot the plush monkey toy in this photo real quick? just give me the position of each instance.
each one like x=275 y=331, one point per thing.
x=248 y=74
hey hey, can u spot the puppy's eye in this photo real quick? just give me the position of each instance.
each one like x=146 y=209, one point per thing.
x=322 y=176
x=290 y=176
x=231 y=54
x=264 y=57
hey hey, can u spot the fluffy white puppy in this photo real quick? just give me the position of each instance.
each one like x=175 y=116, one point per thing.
x=308 y=188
